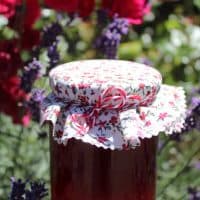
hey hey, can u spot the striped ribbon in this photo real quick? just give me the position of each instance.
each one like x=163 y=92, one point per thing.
x=113 y=98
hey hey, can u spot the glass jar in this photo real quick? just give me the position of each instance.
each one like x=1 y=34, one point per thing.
x=80 y=171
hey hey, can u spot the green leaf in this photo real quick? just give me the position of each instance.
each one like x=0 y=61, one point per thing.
x=130 y=50
x=8 y=33
x=197 y=3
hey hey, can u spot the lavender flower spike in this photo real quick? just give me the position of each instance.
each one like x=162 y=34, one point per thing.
x=194 y=194
x=111 y=36
x=35 y=102
x=20 y=191
x=31 y=73
x=17 y=189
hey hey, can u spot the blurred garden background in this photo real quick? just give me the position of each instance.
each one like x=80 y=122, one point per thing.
x=35 y=36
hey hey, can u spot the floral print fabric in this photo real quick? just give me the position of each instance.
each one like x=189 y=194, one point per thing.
x=115 y=111
x=85 y=81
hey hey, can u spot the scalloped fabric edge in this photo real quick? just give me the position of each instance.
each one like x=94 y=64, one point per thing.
x=118 y=130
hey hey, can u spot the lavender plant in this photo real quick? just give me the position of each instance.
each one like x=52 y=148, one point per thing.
x=50 y=33
x=53 y=55
x=30 y=74
x=108 y=42
x=192 y=118
x=37 y=96
x=27 y=190
x=17 y=189
x=35 y=70
x=194 y=194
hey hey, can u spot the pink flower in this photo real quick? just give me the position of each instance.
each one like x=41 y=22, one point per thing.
x=171 y=103
x=101 y=124
x=142 y=116
x=176 y=96
x=7 y=7
x=133 y=10
x=141 y=85
x=56 y=112
x=83 y=85
x=82 y=130
x=113 y=120
x=148 y=123
x=162 y=116
x=26 y=119
x=102 y=139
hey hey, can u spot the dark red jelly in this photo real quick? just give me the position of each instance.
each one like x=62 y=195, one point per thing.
x=80 y=171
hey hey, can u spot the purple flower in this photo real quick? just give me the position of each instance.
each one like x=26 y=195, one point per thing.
x=194 y=194
x=176 y=137
x=36 y=192
x=195 y=110
x=192 y=120
x=37 y=96
x=189 y=124
x=53 y=55
x=119 y=25
x=111 y=36
x=195 y=101
x=160 y=144
x=197 y=165
x=145 y=61
x=50 y=34
x=31 y=73
x=50 y=41
x=19 y=191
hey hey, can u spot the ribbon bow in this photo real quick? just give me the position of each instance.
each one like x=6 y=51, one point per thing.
x=113 y=98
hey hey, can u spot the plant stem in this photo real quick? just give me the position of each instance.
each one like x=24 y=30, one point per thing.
x=180 y=172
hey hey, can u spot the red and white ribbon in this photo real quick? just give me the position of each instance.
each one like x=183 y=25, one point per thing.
x=113 y=98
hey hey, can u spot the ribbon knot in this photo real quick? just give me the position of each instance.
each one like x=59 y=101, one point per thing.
x=113 y=98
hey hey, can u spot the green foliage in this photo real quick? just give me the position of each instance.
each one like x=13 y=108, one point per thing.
x=197 y=3
x=22 y=154
x=176 y=164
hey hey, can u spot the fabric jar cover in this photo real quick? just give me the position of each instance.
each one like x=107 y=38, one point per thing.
x=111 y=103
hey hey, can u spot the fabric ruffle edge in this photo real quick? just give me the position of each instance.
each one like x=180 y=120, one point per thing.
x=115 y=130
